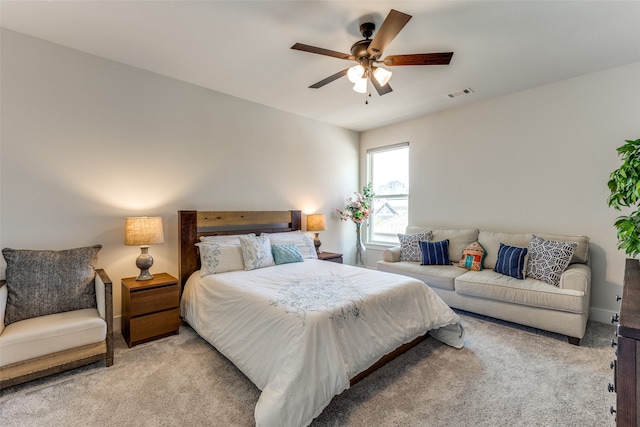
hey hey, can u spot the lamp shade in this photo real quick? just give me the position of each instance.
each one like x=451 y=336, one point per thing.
x=143 y=230
x=355 y=73
x=316 y=222
x=381 y=75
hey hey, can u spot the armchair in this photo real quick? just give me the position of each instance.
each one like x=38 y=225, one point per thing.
x=47 y=344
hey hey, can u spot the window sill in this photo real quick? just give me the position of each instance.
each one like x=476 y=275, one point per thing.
x=380 y=246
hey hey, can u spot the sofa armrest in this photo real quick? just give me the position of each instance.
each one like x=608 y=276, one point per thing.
x=391 y=254
x=4 y=294
x=576 y=277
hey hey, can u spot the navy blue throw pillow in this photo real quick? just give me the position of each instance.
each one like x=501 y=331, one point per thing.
x=511 y=261
x=435 y=253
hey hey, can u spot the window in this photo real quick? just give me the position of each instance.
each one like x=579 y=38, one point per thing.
x=388 y=171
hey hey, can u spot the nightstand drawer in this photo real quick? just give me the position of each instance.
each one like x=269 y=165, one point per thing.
x=150 y=308
x=154 y=325
x=143 y=301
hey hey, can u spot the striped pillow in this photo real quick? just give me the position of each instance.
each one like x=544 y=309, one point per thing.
x=435 y=253
x=511 y=261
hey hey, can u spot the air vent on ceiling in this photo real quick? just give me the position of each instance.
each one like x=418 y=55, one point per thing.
x=465 y=91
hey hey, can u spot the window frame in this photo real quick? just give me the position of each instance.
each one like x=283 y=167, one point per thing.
x=398 y=196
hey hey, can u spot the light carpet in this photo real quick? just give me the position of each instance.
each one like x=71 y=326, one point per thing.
x=506 y=375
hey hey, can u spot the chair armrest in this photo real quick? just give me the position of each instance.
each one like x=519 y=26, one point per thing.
x=104 y=302
x=104 y=292
x=391 y=254
x=4 y=294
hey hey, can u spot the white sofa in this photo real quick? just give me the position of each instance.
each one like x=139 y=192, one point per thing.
x=563 y=309
x=40 y=346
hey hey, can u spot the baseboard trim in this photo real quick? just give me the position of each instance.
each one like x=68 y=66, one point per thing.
x=600 y=315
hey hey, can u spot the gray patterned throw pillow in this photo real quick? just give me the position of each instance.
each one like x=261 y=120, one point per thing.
x=48 y=282
x=548 y=259
x=410 y=245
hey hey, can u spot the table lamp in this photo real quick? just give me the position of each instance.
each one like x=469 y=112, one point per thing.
x=316 y=223
x=143 y=231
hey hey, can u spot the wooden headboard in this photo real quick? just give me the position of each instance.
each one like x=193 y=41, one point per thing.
x=194 y=224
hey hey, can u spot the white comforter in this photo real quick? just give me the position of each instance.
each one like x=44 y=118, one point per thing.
x=300 y=331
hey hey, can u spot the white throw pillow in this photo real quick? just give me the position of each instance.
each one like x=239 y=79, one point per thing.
x=303 y=241
x=256 y=252
x=218 y=257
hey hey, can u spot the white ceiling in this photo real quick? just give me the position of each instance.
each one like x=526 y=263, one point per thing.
x=242 y=48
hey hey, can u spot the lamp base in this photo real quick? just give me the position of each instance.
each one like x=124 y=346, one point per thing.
x=317 y=243
x=144 y=263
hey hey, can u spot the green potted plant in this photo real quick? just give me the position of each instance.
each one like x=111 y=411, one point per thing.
x=624 y=184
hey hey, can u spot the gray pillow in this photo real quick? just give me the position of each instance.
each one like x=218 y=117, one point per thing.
x=47 y=282
x=548 y=259
x=410 y=245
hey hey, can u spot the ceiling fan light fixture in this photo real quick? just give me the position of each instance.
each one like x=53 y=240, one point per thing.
x=382 y=76
x=361 y=85
x=355 y=73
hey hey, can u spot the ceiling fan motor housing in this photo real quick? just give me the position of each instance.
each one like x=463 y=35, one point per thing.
x=359 y=49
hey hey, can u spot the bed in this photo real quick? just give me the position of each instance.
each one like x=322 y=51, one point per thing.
x=304 y=331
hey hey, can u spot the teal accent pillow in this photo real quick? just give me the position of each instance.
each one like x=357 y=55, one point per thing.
x=285 y=254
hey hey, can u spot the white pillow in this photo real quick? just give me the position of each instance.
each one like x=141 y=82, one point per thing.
x=303 y=241
x=256 y=252
x=231 y=238
x=218 y=257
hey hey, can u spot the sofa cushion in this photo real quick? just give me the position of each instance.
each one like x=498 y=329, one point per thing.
x=548 y=259
x=488 y=284
x=490 y=241
x=511 y=261
x=472 y=257
x=581 y=253
x=50 y=334
x=435 y=253
x=436 y=276
x=458 y=239
x=46 y=282
x=410 y=245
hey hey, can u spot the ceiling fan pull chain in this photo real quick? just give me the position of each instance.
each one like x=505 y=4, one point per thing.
x=366 y=97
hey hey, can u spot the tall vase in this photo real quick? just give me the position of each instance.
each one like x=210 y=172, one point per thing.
x=360 y=260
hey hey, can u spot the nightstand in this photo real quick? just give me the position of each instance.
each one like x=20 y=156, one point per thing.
x=330 y=256
x=150 y=308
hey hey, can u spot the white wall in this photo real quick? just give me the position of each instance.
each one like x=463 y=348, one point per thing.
x=86 y=142
x=533 y=161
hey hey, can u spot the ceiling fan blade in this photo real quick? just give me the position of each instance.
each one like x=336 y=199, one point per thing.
x=321 y=51
x=393 y=23
x=382 y=90
x=329 y=79
x=442 y=58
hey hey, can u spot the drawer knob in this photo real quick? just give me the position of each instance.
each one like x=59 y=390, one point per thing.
x=612 y=365
x=618 y=297
x=613 y=343
x=611 y=388
x=611 y=410
x=615 y=318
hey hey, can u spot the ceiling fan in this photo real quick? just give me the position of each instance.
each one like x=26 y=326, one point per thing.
x=367 y=53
